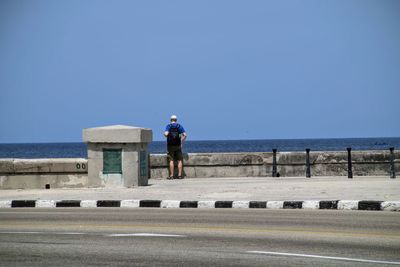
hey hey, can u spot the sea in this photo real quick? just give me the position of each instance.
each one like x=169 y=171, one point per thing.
x=79 y=150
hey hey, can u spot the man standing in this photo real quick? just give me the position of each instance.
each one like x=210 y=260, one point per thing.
x=176 y=135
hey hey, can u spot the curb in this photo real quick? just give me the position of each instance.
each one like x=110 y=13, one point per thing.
x=207 y=204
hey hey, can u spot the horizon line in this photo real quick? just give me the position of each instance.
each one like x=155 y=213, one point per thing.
x=216 y=140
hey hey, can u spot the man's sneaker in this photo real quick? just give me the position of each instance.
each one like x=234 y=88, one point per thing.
x=180 y=177
x=170 y=177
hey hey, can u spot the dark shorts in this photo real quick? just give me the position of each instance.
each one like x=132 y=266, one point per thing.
x=175 y=153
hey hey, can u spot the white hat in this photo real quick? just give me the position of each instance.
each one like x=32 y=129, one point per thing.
x=173 y=117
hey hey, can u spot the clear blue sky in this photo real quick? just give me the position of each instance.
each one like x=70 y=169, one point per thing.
x=228 y=69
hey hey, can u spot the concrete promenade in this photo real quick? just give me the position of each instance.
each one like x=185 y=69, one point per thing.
x=242 y=188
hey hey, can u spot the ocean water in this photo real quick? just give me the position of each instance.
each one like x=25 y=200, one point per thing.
x=79 y=150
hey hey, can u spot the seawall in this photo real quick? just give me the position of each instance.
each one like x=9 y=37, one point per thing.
x=288 y=164
x=72 y=173
x=37 y=173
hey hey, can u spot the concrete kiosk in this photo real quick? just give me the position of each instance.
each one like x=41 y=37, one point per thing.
x=117 y=155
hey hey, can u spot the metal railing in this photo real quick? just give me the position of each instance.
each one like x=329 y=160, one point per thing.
x=392 y=170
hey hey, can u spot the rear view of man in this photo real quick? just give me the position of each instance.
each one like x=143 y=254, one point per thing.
x=176 y=135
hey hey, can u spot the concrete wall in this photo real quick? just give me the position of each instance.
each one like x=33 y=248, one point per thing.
x=365 y=163
x=72 y=173
x=36 y=173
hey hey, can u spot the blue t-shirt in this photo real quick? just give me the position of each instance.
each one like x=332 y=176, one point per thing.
x=181 y=130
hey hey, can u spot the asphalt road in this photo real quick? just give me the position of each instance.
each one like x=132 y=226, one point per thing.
x=193 y=237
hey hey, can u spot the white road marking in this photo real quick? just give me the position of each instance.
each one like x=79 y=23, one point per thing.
x=146 y=235
x=21 y=232
x=38 y=233
x=130 y=203
x=240 y=204
x=387 y=205
x=205 y=204
x=45 y=203
x=274 y=204
x=5 y=203
x=348 y=205
x=68 y=233
x=108 y=235
x=170 y=204
x=311 y=204
x=323 y=257
x=89 y=204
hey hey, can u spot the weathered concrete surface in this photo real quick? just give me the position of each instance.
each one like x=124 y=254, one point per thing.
x=39 y=181
x=7 y=166
x=45 y=166
x=36 y=173
x=216 y=159
x=117 y=134
x=365 y=163
x=238 y=189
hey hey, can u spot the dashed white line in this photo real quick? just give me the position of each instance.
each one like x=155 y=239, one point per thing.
x=107 y=235
x=69 y=233
x=323 y=257
x=145 y=235
x=32 y=233
x=38 y=233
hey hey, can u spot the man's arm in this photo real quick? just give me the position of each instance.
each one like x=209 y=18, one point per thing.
x=183 y=133
x=183 y=138
x=167 y=130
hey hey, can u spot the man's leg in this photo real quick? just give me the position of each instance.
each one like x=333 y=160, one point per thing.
x=171 y=167
x=180 y=168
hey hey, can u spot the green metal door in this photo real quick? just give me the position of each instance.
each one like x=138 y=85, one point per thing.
x=143 y=164
x=112 y=161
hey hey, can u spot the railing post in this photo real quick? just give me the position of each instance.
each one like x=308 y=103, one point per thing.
x=308 y=170
x=274 y=169
x=349 y=164
x=392 y=169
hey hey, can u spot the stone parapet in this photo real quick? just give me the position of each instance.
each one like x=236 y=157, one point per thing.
x=283 y=158
x=36 y=173
x=289 y=164
x=41 y=181
x=46 y=166
x=215 y=159
x=39 y=173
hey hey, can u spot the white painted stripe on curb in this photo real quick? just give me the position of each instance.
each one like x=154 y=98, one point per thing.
x=5 y=203
x=323 y=257
x=275 y=204
x=130 y=203
x=390 y=205
x=145 y=235
x=311 y=204
x=133 y=203
x=89 y=203
x=204 y=204
x=240 y=204
x=170 y=204
x=348 y=205
x=45 y=203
